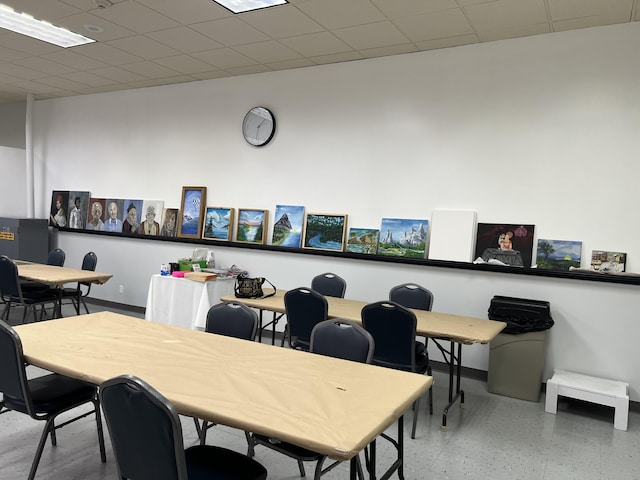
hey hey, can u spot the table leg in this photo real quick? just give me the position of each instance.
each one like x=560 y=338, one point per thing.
x=455 y=369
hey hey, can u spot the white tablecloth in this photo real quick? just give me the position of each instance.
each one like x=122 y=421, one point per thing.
x=184 y=303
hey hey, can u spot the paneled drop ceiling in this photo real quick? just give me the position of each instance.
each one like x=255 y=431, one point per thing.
x=143 y=43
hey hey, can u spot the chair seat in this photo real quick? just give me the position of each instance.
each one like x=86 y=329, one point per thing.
x=53 y=393
x=35 y=296
x=286 y=448
x=422 y=364
x=214 y=463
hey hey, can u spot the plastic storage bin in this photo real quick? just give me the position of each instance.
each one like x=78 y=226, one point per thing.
x=516 y=358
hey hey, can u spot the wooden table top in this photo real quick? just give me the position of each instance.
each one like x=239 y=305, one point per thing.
x=458 y=328
x=332 y=406
x=58 y=276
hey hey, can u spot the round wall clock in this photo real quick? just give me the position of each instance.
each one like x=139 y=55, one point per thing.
x=258 y=126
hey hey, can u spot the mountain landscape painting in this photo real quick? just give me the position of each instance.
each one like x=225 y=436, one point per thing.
x=287 y=227
x=402 y=237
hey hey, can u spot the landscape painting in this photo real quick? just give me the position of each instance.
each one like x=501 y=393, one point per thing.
x=192 y=212
x=287 y=228
x=558 y=254
x=403 y=237
x=325 y=231
x=251 y=225
x=218 y=223
x=363 y=240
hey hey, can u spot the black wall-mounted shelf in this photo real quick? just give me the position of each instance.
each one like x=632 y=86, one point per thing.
x=626 y=279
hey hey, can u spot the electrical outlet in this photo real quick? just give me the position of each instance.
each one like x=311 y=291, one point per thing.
x=121 y=289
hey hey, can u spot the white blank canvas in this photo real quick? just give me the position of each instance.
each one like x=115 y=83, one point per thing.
x=453 y=235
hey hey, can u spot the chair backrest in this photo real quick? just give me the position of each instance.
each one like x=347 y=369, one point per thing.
x=329 y=284
x=145 y=430
x=13 y=375
x=411 y=295
x=232 y=319
x=89 y=262
x=342 y=338
x=9 y=280
x=393 y=328
x=304 y=308
x=56 y=257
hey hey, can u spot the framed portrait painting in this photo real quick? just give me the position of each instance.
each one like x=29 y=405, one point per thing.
x=192 y=209
x=252 y=226
x=218 y=223
x=58 y=212
x=324 y=231
x=78 y=206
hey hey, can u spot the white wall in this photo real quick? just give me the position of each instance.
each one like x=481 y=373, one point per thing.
x=540 y=130
x=13 y=198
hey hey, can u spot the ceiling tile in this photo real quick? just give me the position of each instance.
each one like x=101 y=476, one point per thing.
x=448 y=42
x=185 y=64
x=230 y=32
x=158 y=82
x=495 y=15
x=143 y=47
x=267 y=52
x=314 y=44
x=40 y=9
x=297 y=63
x=22 y=43
x=185 y=39
x=150 y=70
x=248 y=70
x=89 y=79
x=333 y=14
x=188 y=11
x=372 y=35
x=8 y=78
x=43 y=65
x=136 y=17
x=22 y=72
x=394 y=8
x=282 y=22
x=515 y=32
x=9 y=55
x=117 y=74
x=448 y=23
x=107 y=54
x=111 y=31
x=386 y=51
x=224 y=58
x=337 y=58
x=74 y=60
x=584 y=22
x=61 y=83
x=37 y=87
x=566 y=9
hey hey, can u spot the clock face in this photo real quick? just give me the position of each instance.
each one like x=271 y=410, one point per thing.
x=259 y=126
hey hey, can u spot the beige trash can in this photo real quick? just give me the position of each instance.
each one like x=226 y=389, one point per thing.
x=516 y=364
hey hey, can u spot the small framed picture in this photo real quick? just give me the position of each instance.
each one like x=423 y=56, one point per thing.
x=324 y=231
x=192 y=209
x=77 y=206
x=218 y=223
x=252 y=225
x=363 y=240
x=287 y=227
x=58 y=213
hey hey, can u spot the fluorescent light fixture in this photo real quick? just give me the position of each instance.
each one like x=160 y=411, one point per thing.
x=240 y=6
x=27 y=25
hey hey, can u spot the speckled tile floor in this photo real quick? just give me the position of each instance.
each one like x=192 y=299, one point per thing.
x=492 y=437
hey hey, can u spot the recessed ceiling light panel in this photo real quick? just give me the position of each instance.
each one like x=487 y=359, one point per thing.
x=27 y=25
x=240 y=6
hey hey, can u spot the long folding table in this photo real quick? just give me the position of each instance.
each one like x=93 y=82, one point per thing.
x=457 y=329
x=58 y=277
x=332 y=406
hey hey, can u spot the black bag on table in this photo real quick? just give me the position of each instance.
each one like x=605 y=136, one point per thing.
x=247 y=287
